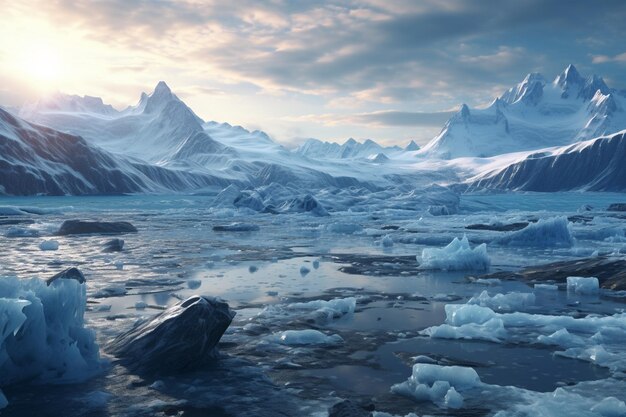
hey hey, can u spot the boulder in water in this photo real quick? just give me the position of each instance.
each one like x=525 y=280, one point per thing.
x=181 y=338
x=80 y=227
x=114 y=245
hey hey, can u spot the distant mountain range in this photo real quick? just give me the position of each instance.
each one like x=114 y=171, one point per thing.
x=536 y=136
x=532 y=115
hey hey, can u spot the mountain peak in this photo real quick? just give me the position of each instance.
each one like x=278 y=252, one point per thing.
x=569 y=76
x=162 y=88
x=412 y=146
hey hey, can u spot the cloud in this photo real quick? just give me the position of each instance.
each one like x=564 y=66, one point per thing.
x=381 y=118
x=602 y=59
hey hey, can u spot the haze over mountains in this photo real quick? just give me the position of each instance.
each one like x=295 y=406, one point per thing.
x=161 y=145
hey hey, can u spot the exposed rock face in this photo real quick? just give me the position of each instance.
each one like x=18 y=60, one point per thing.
x=617 y=207
x=80 y=227
x=181 y=338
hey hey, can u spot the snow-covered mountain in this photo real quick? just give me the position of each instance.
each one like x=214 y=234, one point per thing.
x=593 y=165
x=317 y=149
x=532 y=115
x=39 y=160
x=159 y=129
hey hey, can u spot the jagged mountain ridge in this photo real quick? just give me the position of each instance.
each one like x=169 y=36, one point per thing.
x=532 y=115
x=314 y=148
x=39 y=160
x=593 y=165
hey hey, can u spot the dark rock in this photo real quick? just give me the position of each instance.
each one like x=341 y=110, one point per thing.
x=347 y=408
x=183 y=337
x=4 y=222
x=511 y=227
x=80 y=227
x=611 y=272
x=114 y=245
x=617 y=207
x=236 y=227
x=390 y=227
x=69 y=273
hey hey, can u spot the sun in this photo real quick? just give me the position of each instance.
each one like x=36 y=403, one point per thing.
x=42 y=65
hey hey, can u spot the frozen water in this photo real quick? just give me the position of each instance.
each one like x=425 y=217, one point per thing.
x=44 y=338
x=305 y=337
x=513 y=301
x=438 y=384
x=457 y=256
x=582 y=285
x=545 y=233
x=49 y=245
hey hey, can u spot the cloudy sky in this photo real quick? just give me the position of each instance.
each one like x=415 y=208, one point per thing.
x=387 y=70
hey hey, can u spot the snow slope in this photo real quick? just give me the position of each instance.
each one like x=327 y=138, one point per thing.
x=532 y=115
x=40 y=160
x=593 y=165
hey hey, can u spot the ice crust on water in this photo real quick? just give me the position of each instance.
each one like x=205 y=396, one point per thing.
x=305 y=337
x=554 y=232
x=438 y=384
x=43 y=338
x=597 y=339
x=457 y=256
x=582 y=285
x=387 y=241
x=562 y=402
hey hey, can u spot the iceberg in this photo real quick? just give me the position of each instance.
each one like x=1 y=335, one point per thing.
x=457 y=256
x=438 y=384
x=43 y=338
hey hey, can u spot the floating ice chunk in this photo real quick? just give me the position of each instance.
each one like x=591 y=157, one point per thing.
x=508 y=302
x=438 y=384
x=316 y=263
x=582 y=285
x=140 y=305
x=119 y=265
x=305 y=337
x=3 y=400
x=561 y=338
x=546 y=233
x=457 y=256
x=304 y=270
x=49 y=245
x=15 y=231
x=453 y=399
x=488 y=281
x=547 y=287
x=337 y=307
x=344 y=228
x=387 y=241
x=43 y=338
x=610 y=407
x=253 y=268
